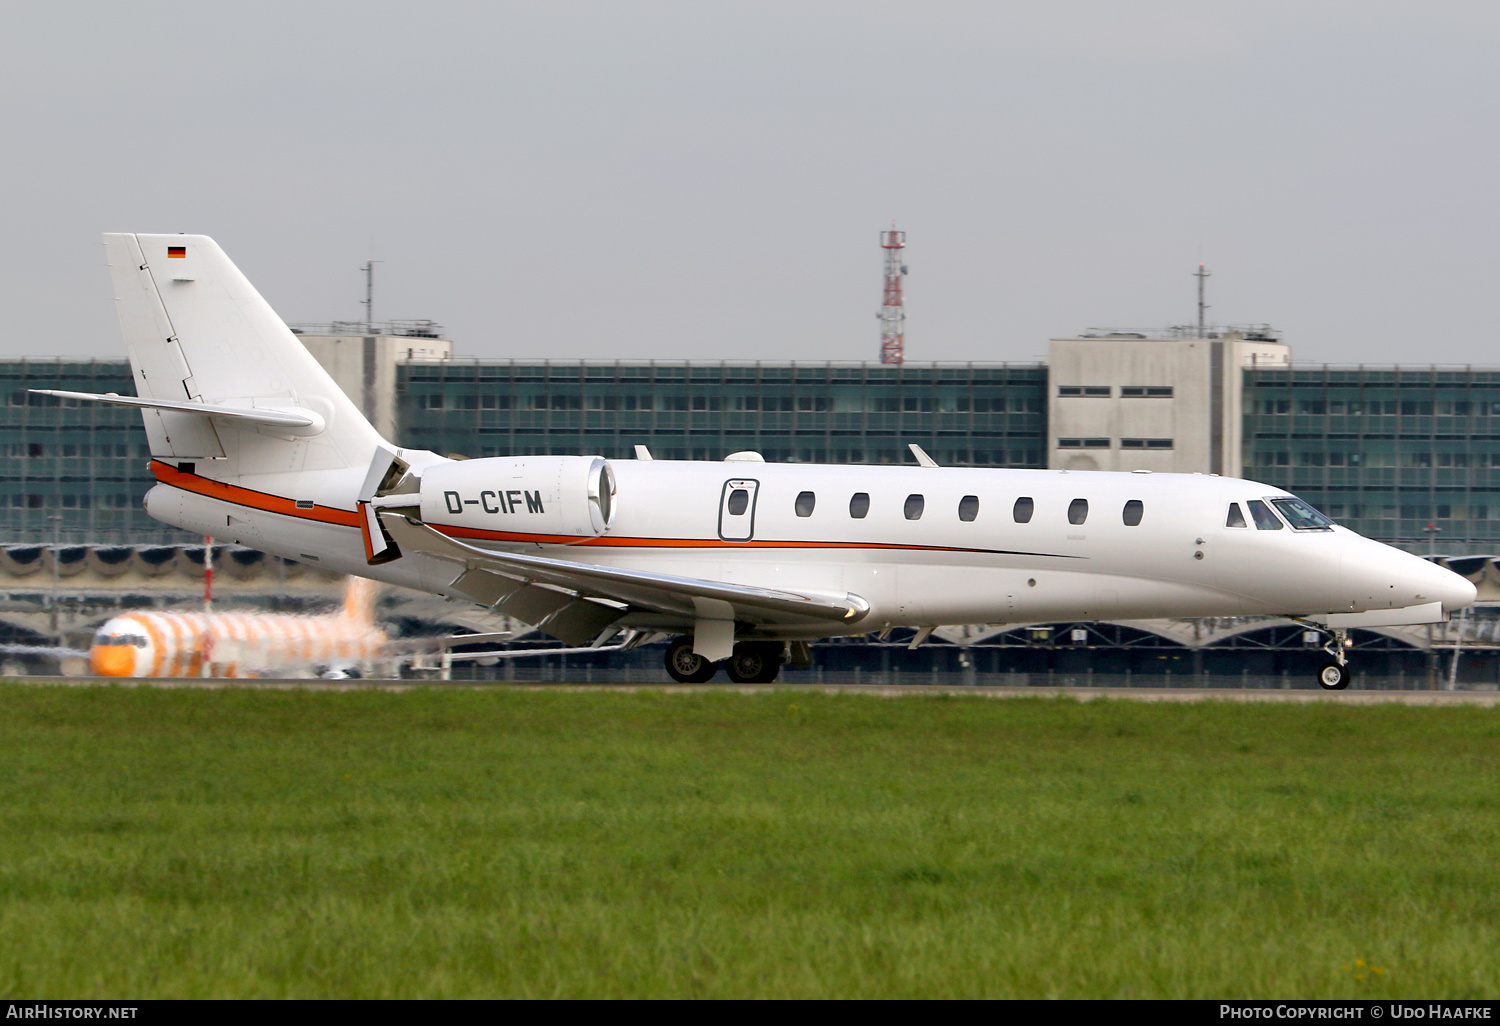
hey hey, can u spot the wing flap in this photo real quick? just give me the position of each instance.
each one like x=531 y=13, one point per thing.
x=639 y=590
x=581 y=620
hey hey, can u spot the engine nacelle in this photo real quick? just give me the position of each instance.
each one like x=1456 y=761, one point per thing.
x=555 y=500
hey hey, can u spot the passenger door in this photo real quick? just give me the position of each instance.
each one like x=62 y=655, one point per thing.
x=737 y=510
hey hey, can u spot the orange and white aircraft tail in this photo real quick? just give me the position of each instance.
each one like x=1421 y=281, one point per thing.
x=196 y=644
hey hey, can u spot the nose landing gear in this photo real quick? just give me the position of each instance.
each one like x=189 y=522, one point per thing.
x=1334 y=674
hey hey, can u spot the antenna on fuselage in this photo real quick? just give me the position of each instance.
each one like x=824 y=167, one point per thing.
x=923 y=460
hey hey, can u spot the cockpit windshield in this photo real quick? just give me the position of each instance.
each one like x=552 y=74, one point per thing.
x=1301 y=516
x=133 y=640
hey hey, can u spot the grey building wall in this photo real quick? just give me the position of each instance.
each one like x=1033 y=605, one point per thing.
x=1165 y=401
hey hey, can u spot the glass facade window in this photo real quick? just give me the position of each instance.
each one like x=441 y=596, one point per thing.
x=1406 y=455
x=76 y=471
x=983 y=415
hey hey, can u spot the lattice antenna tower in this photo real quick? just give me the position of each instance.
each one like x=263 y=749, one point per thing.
x=892 y=311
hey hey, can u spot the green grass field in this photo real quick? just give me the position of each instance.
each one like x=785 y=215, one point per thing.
x=474 y=842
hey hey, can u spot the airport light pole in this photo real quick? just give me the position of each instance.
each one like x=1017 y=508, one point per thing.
x=1432 y=530
x=56 y=519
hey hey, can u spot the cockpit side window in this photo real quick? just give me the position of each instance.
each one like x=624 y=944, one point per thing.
x=1301 y=516
x=1264 y=519
x=1235 y=518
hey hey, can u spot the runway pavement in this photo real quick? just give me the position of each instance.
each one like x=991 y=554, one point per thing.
x=1082 y=694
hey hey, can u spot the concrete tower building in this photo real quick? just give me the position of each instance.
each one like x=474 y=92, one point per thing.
x=1166 y=401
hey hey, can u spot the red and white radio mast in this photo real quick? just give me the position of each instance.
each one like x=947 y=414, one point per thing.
x=892 y=312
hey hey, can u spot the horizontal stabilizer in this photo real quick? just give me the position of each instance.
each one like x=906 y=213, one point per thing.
x=272 y=418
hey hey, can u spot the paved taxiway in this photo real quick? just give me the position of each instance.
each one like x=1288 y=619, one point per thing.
x=1082 y=694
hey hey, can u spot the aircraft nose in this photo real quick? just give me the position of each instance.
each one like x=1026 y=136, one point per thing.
x=112 y=660
x=1434 y=583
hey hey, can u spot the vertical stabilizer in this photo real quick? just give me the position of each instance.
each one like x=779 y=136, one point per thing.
x=198 y=331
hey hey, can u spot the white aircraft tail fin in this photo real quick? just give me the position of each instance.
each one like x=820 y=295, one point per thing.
x=199 y=333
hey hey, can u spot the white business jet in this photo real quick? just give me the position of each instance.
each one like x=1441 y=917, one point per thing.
x=742 y=562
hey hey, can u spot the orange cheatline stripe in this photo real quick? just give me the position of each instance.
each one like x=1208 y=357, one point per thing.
x=240 y=496
x=249 y=497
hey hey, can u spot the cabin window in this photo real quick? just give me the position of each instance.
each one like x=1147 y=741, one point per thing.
x=805 y=503
x=1303 y=517
x=1134 y=509
x=1235 y=518
x=913 y=507
x=968 y=508
x=1023 y=510
x=1264 y=519
x=859 y=505
x=1078 y=511
x=739 y=501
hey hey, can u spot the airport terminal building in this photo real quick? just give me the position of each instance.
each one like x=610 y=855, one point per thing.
x=1408 y=455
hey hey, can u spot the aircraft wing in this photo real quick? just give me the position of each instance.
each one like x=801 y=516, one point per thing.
x=576 y=601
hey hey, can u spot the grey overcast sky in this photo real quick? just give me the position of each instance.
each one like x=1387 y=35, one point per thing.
x=706 y=180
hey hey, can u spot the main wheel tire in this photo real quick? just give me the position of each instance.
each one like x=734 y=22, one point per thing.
x=755 y=662
x=686 y=666
x=1333 y=677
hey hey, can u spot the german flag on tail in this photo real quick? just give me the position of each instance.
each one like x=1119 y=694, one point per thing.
x=176 y=251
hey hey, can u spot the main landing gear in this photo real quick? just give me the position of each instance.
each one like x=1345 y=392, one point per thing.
x=753 y=662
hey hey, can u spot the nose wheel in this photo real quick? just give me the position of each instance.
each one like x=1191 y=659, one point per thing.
x=1333 y=677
